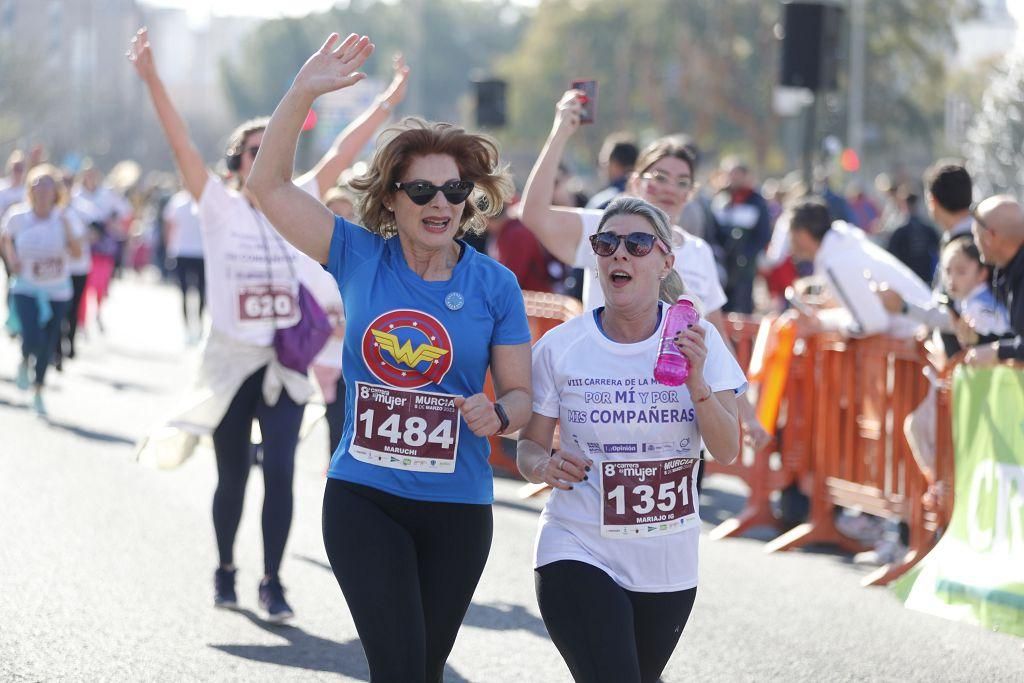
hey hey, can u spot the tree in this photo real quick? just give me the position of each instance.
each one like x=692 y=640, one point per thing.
x=996 y=136
x=709 y=68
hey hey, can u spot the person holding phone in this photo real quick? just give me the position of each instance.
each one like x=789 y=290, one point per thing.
x=407 y=506
x=663 y=176
x=254 y=278
x=616 y=552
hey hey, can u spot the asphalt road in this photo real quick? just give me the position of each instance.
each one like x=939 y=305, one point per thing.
x=106 y=566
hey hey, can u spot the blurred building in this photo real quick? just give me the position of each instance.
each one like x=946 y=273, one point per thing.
x=70 y=73
x=65 y=82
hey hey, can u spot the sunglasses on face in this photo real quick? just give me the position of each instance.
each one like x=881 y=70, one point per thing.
x=421 y=192
x=253 y=150
x=637 y=243
x=659 y=178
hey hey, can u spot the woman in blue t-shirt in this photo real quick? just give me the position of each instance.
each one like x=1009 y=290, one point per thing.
x=407 y=517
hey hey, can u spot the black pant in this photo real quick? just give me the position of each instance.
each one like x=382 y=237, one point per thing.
x=191 y=275
x=335 y=415
x=604 y=632
x=231 y=443
x=71 y=319
x=408 y=570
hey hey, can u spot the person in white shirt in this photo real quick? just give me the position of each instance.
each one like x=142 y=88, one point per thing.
x=253 y=278
x=616 y=552
x=39 y=240
x=185 y=246
x=663 y=176
x=852 y=268
x=12 y=191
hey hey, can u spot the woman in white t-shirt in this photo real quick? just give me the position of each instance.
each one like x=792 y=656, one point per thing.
x=39 y=241
x=616 y=553
x=664 y=177
x=253 y=277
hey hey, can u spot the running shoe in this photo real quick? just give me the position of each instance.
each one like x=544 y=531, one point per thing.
x=22 y=379
x=224 y=589
x=273 y=607
x=38 y=406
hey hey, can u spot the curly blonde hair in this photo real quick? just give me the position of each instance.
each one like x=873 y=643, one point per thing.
x=475 y=155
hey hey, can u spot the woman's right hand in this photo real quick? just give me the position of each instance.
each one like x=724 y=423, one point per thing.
x=140 y=54
x=562 y=470
x=567 y=113
x=331 y=68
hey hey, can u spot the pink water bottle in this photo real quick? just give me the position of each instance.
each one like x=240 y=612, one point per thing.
x=673 y=368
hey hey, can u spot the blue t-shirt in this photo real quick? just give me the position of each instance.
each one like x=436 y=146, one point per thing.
x=410 y=345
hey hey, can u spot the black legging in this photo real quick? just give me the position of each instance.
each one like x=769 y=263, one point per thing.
x=279 y=425
x=191 y=275
x=71 y=319
x=408 y=570
x=604 y=632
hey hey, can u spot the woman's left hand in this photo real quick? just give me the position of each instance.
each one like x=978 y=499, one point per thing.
x=478 y=412
x=690 y=343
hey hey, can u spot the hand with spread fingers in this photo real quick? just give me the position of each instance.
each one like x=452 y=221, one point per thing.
x=140 y=54
x=399 y=82
x=478 y=412
x=333 y=68
x=562 y=470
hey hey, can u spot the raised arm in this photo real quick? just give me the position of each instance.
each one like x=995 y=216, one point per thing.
x=346 y=146
x=190 y=162
x=301 y=219
x=558 y=229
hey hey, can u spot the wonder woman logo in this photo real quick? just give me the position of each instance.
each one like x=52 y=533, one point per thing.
x=407 y=349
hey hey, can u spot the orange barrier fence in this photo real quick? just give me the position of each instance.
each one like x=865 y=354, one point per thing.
x=544 y=312
x=780 y=369
x=839 y=436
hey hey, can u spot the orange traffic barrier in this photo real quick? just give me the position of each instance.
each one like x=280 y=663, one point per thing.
x=543 y=312
x=864 y=389
x=779 y=369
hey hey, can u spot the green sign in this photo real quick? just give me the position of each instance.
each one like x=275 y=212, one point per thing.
x=976 y=571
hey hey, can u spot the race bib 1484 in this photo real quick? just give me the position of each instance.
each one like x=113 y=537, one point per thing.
x=405 y=429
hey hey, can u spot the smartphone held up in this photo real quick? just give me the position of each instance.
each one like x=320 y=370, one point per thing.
x=589 y=100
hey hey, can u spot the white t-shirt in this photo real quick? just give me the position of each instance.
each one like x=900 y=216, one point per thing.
x=695 y=263
x=42 y=249
x=324 y=289
x=110 y=206
x=84 y=213
x=186 y=235
x=250 y=295
x=610 y=408
x=849 y=262
x=10 y=195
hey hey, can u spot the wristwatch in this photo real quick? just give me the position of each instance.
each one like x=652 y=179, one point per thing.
x=499 y=410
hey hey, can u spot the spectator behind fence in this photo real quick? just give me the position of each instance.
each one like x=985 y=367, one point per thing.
x=513 y=245
x=948 y=191
x=999 y=232
x=617 y=159
x=915 y=243
x=743 y=231
x=850 y=266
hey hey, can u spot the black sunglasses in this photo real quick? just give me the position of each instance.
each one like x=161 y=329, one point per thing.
x=637 y=243
x=253 y=150
x=421 y=192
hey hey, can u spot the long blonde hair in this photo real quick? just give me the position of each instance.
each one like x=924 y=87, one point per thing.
x=672 y=286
